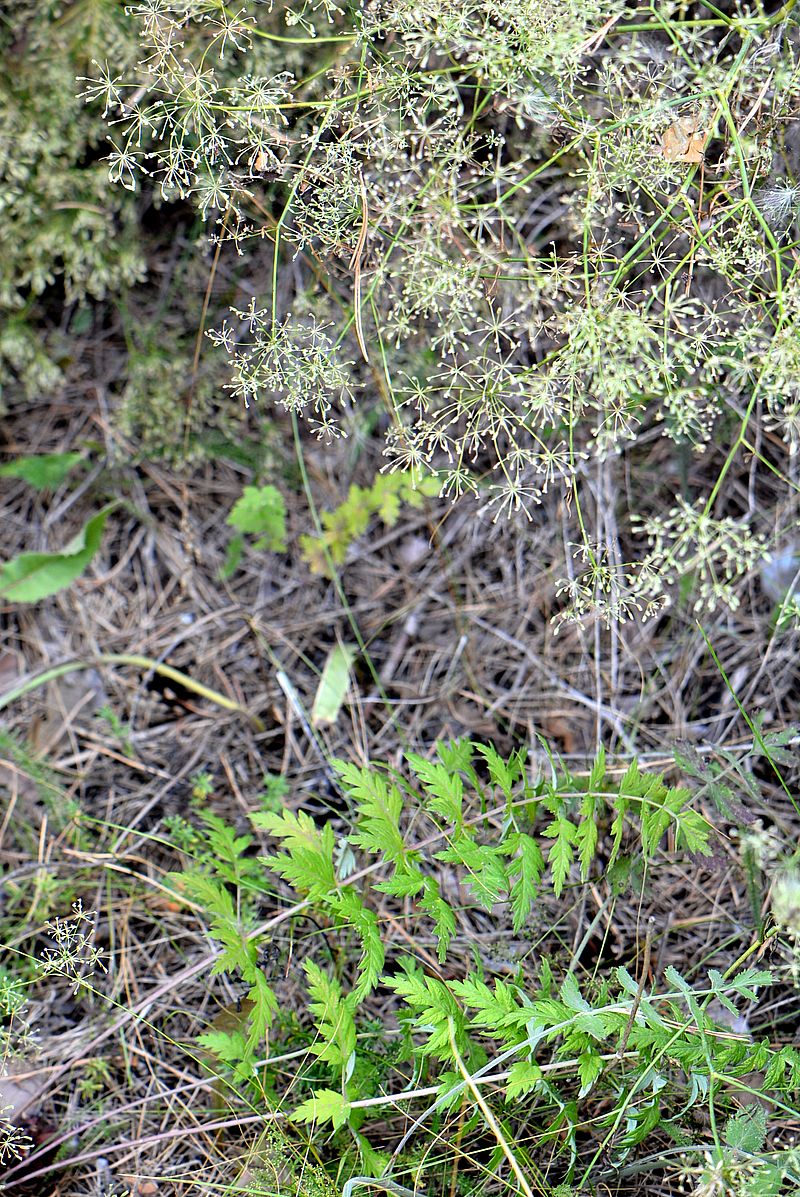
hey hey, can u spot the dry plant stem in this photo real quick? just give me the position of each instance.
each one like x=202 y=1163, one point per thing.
x=648 y=944
x=355 y=266
x=492 y=1121
x=34 y=681
x=135 y=1145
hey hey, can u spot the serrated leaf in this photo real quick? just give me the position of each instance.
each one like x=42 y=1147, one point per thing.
x=444 y=919
x=498 y=1009
x=326 y=1105
x=404 y=884
x=747 y=1131
x=333 y=1017
x=486 y=874
x=503 y=774
x=560 y=856
x=693 y=831
x=590 y=1066
x=264 y=1009
x=547 y=1013
x=351 y=910
x=434 y=1008
x=625 y=979
x=226 y=1046
x=379 y=808
x=333 y=685
x=444 y=790
x=31 y=577
x=529 y=863
x=523 y=1077
x=261 y=509
x=586 y=838
x=598 y=773
x=307 y=863
x=571 y=995
x=646 y=1120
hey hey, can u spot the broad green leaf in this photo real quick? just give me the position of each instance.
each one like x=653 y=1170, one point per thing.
x=44 y=471
x=325 y=1106
x=34 y=576
x=590 y=1066
x=333 y=685
x=748 y=1130
x=522 y=1078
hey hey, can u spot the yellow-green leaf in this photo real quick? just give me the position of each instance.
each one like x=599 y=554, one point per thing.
x=333 y=685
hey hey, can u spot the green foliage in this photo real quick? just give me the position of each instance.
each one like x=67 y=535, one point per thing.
x=506 y=352
x=748 y=1130
x=260 y=510
x=333 y=1017
x=169 y=405
x=120 y=731
x=384 y=499
x=30 y=577
x=508 y=838
x=325 y=1106
x=274 y=789
x=62 y=227
x=45 y=471
x=285 y=1167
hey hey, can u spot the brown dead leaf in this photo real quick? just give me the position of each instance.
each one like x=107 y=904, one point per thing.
x=65 y=698
x=19 y=1091
x=683 y=141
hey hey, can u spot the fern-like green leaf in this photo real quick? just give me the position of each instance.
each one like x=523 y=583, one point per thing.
x=307 y=863
x=407 y=881
x=379 y=808
x=523 y=875
x=523 y=1078
x=504 y=774
x=351 y=910
x=433 y=1006
x=263 y=1010
x=501 y=1011
x=486 y=874
x=444 y=790
x=586 y=838
x=333 y=1016
x=562 y=851
x=217 y=901
x=444 y=919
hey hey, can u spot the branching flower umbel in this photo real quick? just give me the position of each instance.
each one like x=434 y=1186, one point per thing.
x=74 y=955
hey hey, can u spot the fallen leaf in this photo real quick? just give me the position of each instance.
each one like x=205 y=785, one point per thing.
x=683 y=141
x=333 y=685
x=18 y=1093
